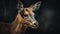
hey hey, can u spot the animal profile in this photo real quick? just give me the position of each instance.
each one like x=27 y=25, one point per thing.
x=28 y=15
x=28 y=12
x=24 y=19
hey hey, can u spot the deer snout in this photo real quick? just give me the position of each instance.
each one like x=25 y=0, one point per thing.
x=35 y=25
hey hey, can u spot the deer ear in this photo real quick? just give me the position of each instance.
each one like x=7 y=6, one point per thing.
x=36 y=6
x=20 y=6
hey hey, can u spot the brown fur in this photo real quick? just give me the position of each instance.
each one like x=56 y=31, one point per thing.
x=18 y=26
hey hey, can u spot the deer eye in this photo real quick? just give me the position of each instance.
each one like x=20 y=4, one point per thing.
x=26 y=9
x=25 y=15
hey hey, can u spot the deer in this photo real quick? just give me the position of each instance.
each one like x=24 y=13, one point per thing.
x=24 y=19
x=28 y=15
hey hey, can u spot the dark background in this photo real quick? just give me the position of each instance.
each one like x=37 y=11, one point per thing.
x=48 y=15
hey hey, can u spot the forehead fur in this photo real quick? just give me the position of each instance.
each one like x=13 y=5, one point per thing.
x=28 y=11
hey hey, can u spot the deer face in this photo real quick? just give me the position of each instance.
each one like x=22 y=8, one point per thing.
x=29 y=15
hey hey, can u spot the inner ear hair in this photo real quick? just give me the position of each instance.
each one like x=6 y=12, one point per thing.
x=35 y=6
x=20 y=5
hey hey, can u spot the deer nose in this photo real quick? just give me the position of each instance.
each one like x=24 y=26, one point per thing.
x=36 y=24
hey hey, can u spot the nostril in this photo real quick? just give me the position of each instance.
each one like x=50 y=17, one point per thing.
x=35 y=24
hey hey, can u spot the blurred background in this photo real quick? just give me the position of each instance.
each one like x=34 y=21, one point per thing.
x=48 y=15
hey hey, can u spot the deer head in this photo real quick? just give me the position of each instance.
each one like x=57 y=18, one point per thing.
x=28 y=13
